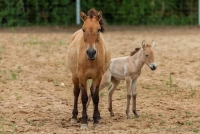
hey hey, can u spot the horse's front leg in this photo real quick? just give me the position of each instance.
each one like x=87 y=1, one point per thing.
x=76 y=94
x=134 y=94
x=84 y=98
x=95 y=98
x=128 y=86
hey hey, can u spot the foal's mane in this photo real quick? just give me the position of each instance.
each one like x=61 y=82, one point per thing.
x=135 y=51
x=93 y=12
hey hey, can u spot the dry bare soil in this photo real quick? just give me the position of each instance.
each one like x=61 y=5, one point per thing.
x=33 y=66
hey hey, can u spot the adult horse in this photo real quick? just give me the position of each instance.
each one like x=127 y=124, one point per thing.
x=88 y=57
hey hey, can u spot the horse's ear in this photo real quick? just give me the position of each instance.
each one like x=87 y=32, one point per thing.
x=152 y=44
x=99 y=15
x=143 y=44
x=83 y=16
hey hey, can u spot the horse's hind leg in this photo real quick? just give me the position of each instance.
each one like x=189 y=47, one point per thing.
x=76 y=94
x=115 y=83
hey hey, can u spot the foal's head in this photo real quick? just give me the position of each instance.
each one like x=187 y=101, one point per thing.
x=92 y=27
x=148 y=55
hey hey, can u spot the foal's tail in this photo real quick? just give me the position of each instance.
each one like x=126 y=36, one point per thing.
x=93 y=12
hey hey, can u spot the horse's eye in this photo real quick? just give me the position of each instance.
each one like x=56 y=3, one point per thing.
x=83 y=30
x=147 y=55
x=99 y=30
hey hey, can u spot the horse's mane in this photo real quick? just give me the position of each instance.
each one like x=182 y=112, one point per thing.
x=135 y=51
x=93 y=12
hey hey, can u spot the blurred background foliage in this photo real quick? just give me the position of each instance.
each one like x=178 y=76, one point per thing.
x=115 y=12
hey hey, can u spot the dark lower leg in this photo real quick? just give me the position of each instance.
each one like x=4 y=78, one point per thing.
x=92 y=94
x=84 y=99
x=75 y=109
x=134 y=106
x=95 y=99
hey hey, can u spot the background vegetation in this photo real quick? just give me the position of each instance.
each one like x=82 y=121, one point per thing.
x=116 y=12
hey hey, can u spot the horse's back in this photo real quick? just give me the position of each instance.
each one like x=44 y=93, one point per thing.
x=72 y=51
x=107 y=55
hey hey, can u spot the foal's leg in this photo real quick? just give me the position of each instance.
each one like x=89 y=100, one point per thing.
x=128 y=86
x=111 y=89
x=76 y=94
x=134 y=94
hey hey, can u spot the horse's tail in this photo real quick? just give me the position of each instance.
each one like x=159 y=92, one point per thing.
x=93 y=12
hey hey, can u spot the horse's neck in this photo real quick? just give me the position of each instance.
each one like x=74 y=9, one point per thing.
x=137 y=59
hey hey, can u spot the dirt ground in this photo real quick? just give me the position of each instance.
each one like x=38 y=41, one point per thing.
x=36 y=95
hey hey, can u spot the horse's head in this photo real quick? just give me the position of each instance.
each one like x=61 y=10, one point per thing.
x=91 y=31
x=148 y=55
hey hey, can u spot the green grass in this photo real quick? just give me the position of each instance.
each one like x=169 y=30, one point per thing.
x=195 y=130
x=36 y=123
x=18 y=97
x=101 y=94
x=1 y=98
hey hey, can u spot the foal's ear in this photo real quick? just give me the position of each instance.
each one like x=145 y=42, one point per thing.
x=83 y=16
x=143 y=44
x=152 y=44
x=99 y=15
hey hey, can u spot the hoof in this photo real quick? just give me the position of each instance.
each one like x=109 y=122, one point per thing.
x=128 y=117
x=135 y=113
x=96 y=125
x=111 y=114
x=73 y=121
x=84 y=126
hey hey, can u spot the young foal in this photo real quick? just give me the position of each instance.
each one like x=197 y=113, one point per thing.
x=128 y=68
x=88 y=57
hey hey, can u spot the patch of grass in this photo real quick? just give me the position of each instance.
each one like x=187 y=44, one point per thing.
x=189 y=123
x=41 y=123
x=188 y=112
x=163 y=122
x=38 y=55
x=121 y=96
x=37 y=123
x=1 y=98
x=168 y=83
x=62 y=43
x=89 y=82
x=195 y=130
x=18 y=97
x=19 y=69
x=2 y=131
x=13 y=75
x=101 y=94
x=149 y=87
x=56 y=82
x=14 y=127
x=160 y=115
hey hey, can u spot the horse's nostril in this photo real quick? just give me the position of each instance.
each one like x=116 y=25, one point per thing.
x=154 y=67
x=94 y=52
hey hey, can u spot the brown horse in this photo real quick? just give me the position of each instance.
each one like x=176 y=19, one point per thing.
x=88 y=57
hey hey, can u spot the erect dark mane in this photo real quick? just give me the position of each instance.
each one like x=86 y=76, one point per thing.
x=93 y=12
x=135 y=51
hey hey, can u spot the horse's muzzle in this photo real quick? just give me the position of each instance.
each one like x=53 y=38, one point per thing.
x=91 y=54
x=153 y=66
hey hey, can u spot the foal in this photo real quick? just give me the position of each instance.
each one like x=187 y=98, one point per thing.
x=128 y=68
